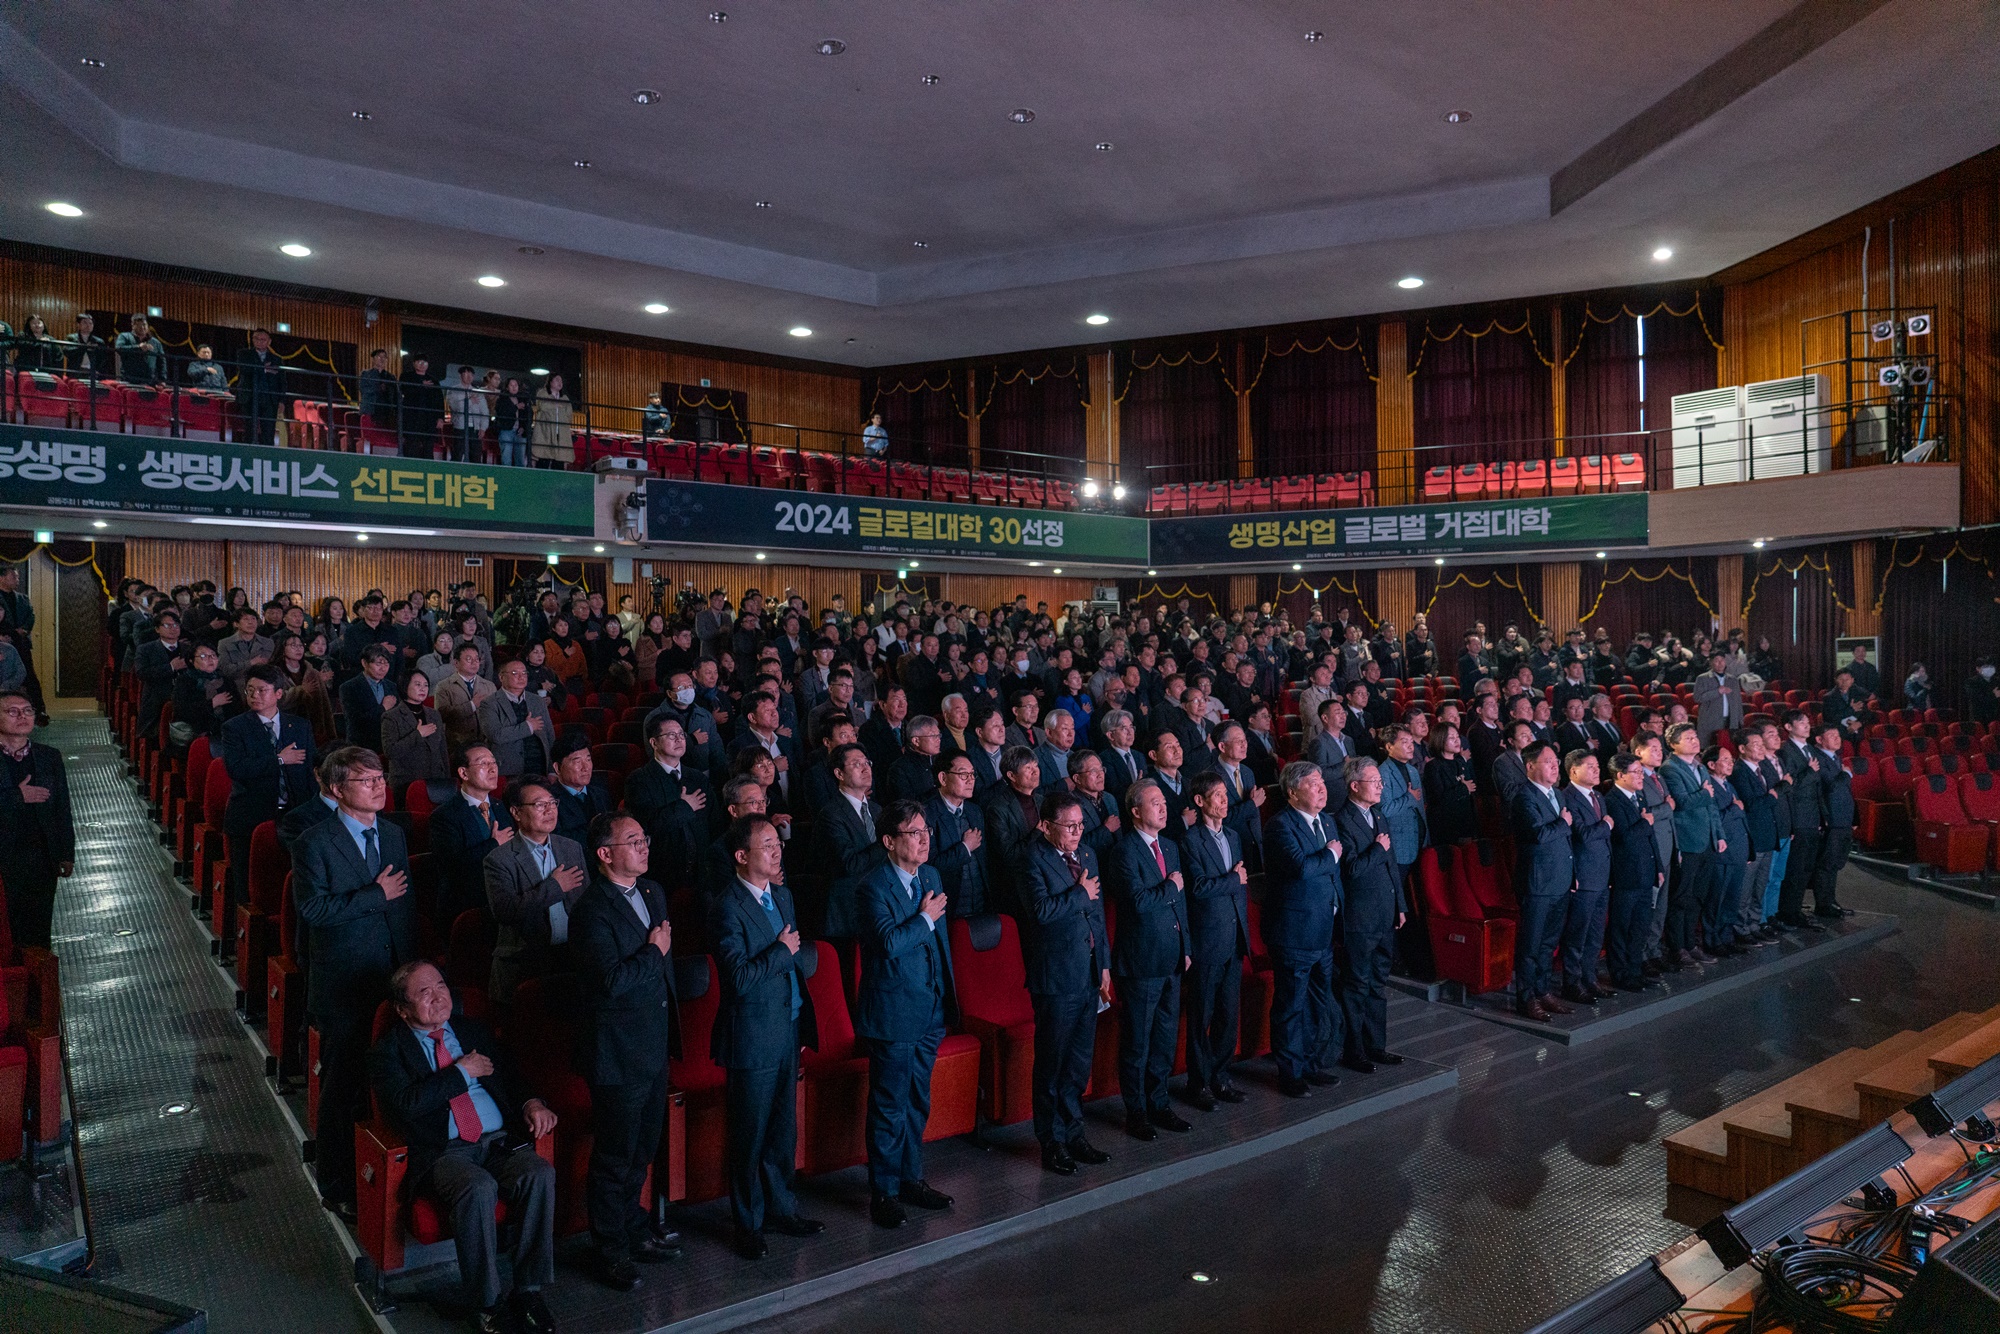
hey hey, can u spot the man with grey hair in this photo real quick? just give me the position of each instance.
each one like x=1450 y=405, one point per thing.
x=1301 y=901
x=912 y=775
x=1059 y=737
x=1371 y=910
x=1122 y=764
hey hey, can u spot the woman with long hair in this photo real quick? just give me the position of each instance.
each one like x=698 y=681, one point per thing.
x=1449 y=787
x=306 y=684
x=565 y=654
x=542 y=681
x=332 y=615
x=647 y=646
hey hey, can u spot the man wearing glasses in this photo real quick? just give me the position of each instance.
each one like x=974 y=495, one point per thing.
x=533 y=883
x=905 y=999
x=958 y=837
x=40 y=843
x=1069 y=972
x=350 y=877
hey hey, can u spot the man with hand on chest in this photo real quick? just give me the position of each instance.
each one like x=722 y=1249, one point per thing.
x=39 y=847
x=1371 y=909
x=1147 y=959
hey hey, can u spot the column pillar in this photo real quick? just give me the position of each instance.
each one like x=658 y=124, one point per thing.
x=1729 y=591
x=972 y=417
x=1562 y=596
x=1396 y=597
x=1246 y=448
x=1864 y=619
x=1100 y=424
x=1395 y=418
x=1558 y=378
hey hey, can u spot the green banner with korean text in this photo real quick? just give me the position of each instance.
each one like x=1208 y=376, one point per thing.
x=99 y=471
x=1543 y=523
x=707 y=513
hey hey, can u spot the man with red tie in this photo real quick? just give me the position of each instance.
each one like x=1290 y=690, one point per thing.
x=1151 y=951
x=438 y=1081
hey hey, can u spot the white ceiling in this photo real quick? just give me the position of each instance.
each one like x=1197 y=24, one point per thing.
x=1256 y=177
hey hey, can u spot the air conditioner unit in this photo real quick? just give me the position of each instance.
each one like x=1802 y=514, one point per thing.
x=1785 y=425
x=1708 y=437
x=619 y=463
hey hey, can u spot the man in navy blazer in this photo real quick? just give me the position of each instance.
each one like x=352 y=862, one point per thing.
x=1371 y=909
x=674 y=802
x=846 y=845
x=766 y=1015
x=350 y=880
x=579 y=797
x=1069 y=971
x=464 y=828
x=1636 y=874
x=1301 y=900
x=1590 y=853
x=269 y=758
x=1218 y=904
x=361 y=697
x=1246 y=799
x=1122 y=764
x=1543 y=875
x=621 y=944
x=1150 y=953
x=958 y=837
x=905 y=998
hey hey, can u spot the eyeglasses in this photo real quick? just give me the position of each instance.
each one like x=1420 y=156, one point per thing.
x=19 y=711
x=914 y=831
x=1065 y=824
x=365 y=780
x=544 y=804
x=640 y=842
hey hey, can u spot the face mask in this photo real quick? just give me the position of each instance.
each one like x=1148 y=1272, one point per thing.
x=684 y=696
x=1986 y=672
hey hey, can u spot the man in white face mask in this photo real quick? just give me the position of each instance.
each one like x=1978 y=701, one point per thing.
x=704 y=749
x=1982 y=694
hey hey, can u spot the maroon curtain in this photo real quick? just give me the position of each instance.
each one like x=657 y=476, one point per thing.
x=1679 y=358
x=1314 y=412
x=1298 y=603
x=1799 y=611
x=1945 y=615
x=924 y=426
x=1179 y=422
x=1601 y=383
x=1456 y=604
x=1032 y=425
x=1646 y=601
x=1485 y=398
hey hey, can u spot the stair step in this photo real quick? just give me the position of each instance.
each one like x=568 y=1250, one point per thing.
x=1894 y=1085
x=1973 y=1050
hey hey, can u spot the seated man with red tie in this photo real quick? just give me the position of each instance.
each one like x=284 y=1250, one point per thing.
x=439 y=1083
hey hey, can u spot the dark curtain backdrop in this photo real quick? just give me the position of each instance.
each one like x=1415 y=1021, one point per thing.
x=1679 y=358
x=1298 y=604
x=1031 y=424
x=1601 y=382
x=1486 y=398
x=1946 y=616
x=1314 y=412
x=1179 y=421
x=1455 y=603
x=1799 y=612
x=1207 y=594
x=925 y=426
x=1632 y=603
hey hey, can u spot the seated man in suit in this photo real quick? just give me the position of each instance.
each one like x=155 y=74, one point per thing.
x=514 y=723
x=1372 y=908
x=765 y=1016
x=957 y=843
x=533 y=882
x=911 y=775
x=672 y=802
x=1590 y=830
x=905 y=999
x=1543 y=877
x=361 y=697
x=441 y=1083
x=472 y=823
x=1216 y=883
x=1147 y=959
x=1069 y=971
x=350 y=880
x=1301 y=900
x=845 y=844
x=1012 y=816
x=269 y=758
x=621 y=944
x=580 y=798
x=1636 y=874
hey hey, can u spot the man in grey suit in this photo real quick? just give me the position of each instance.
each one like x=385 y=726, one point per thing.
x=1543 y=877
x=1719 y=698
x=532 y=882
x=515 y=724
x=1510 y=772
x=1331 y=749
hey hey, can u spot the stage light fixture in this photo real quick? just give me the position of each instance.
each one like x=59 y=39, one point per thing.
x=1918 y=326
x=1090 y=489
x=1970 y=1093
x=1779 y=1210
x=1882 y=330
x=1919 y=374
x=799 y=331
x=1636 y=1300
x=1890 y=376
x=1021 y=115
x=1118 y=491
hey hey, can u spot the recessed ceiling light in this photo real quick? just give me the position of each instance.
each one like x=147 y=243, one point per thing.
x=295 y=250
x=492 y=280
x=599 y=548
x=830 y=46
x=656 y=307
x=99 y=523
x=718 y=16
x=921 y=245
x=1199 y=1277
x=760 y=555
x=1664 y=253
x=645 y=97
x=1297 y=566
x=761 y=203
x=1057 y=570
x=1600 y=555
x=580 y=162
x=914 y=564
x=62 y=210
x=1105 y=145
x=799 y=331
x=362 y=115
x=1020 y=115
x=930 y=80
x=1097 y=319
x=1457 y=117
x=530 y=250
x=1438 y=561
x=1152 y=572
x=1410 y=284
x=89 y=63
x=361 y=537
x=538 y=370
x=1759 y=544
x=1314 y=35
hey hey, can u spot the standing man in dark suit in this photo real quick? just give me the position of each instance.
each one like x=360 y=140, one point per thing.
x=958 y=838
x=579 y=798
x=533 y=883
x=887 y=731
x=1246 y=799
x=1698 y=838
x=621 y=943
x=1122 y=764
x=260 y=387
x=1371 y=910
x=1069 y=971
x=464 y=829
x=1543 y=876
x=1837 y=809
x=1801 y=761
x=1101 y=821
x=361 y=697
x=39 y=845
x=351 y=882
x=158 y=662
x=1012 y=815
x=269 y=759
x=1590 y=854
x=1602 y=732
x=1218 y=908
x=906 y=997
x=515 y=723
x=1150 y=953
x=439 y=1082
x=845 y=847
x=1636 y=874
x=672 y=801
x=765 y=1016
x=1301 y=900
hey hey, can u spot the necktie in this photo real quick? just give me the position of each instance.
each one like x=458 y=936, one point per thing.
x=277 y=733
x=484 y=818
x=1076 y=872
x=463 y=1114
x=867 y=821
x=1160 y=856
x=371 y=852
x=1319 y=834
x=638 y=903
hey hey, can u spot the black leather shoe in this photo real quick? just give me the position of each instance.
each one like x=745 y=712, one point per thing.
x=1652 y=968
x=665 y=1236
x=749 y=1245
x=656 y=1250
x=1554 y=1005
x=1578 y=996
x=1385 y=1057
x=1200 y=1099
x=887 y=1213
x=1230 y=1093
x=1087 y=1153
x=344 y=1210
x=619 y=1275
x=1531 y=1009
x=1360 y=1065
x=1141 y=1129
x=533 y=1313
x=795 y=1226
x=1833 y=912
x=1631 y=986
x=1805 y=924
x=1166 y=1120
x=1056 y=1159
x=493 y=1320
x=1294 y=1088
x=1322 y=1078
x=921 y=1195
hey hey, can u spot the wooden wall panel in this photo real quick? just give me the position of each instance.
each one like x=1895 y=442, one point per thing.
x=1396 y=597
x=620 y=374
x=1561 y=595
x=264 y=569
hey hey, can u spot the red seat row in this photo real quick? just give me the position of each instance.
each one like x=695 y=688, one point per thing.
x=1586 y=474
x=1324 y=491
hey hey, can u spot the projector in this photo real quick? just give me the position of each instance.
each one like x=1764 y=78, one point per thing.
x=619 y=463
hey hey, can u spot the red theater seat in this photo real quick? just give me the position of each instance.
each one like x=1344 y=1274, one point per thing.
x=1472 y=944
x=699 y=1079
x=1437 y=483
x=993 y=1005
x=833 y=1093
x=1979 y=798
x=1479 y=875
x=1946 y=838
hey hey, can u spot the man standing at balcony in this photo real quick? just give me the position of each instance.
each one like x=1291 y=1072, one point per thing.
x=260 y=388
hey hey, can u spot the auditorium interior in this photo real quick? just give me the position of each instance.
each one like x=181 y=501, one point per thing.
x=950 y=668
